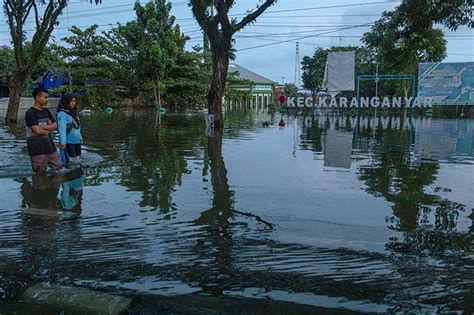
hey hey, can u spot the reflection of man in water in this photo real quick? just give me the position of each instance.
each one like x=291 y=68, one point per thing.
x=42 y=191
x=47 y=230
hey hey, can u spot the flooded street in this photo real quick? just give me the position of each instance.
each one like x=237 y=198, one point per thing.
x=363 y=214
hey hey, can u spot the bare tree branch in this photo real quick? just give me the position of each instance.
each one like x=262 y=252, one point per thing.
x=41 y=37
x=256 y=217
x=229 y=4
x=16 y=31
x=37 y=19
x=252 y=16
x=222 y=13
x=28 y=6
x=199 y=9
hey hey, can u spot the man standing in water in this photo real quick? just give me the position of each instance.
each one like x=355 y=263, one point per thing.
x=40 y=124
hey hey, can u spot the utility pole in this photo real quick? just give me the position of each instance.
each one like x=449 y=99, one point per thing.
x=297 y=66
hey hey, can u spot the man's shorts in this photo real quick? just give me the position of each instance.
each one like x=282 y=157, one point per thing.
x=39 y=163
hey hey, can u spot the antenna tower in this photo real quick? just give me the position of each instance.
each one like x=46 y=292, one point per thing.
x=297 y=66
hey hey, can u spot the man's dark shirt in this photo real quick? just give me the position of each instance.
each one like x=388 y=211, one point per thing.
x=38 y=145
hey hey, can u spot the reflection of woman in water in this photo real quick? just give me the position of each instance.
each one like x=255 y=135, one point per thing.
x=71 y=193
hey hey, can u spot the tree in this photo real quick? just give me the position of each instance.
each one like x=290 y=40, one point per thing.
x=184 y=74
x=290 y=89
x=89 y=71
x=219 y=29
x=85 y=55
x=125 y=61
x=313 y=70
x=400 y=49
x=49 y=59
x=233 y=94
x=405 y=37
x=83 y=43
x=7 y=63
x=157 y=42
x=17 y=12
x=188 y=78
x=450 y=13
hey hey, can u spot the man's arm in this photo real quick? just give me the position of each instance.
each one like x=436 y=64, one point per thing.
x=51 y=126
x=39 y=131
x=32 y=122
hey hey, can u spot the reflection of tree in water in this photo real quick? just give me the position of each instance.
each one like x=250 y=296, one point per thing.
x=147 y=157
x=220 y=219
x=311 y=135
x=148 y=154
x=402 y=183
x=238 y=122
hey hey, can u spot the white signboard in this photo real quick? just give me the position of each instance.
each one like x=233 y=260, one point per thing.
x=340 y=72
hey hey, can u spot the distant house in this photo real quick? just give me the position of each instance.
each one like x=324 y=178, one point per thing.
x=52 y=79
x=259 y=87
x=91 y=66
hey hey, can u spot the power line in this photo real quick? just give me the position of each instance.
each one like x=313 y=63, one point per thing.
x=313 y=16
x=306 y=26
x=106 y=12
x=303 y=37
x=328 y=7
x=98 y=12
x=291 y=34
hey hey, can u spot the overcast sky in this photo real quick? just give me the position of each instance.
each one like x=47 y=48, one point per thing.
x=319 y=22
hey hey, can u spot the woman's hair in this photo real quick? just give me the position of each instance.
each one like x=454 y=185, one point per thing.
x=67 y=98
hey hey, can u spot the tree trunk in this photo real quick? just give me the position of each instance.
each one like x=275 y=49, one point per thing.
x=159 y=93
x=216 y=91
x=14 y=101
x=156 y=94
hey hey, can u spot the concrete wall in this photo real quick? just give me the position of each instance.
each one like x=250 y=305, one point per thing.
x=25 y=103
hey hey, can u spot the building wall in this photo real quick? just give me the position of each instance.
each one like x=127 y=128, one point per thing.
x=25 y=103
x=261 y=94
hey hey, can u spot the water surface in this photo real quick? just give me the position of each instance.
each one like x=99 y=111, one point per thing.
x=369 y=214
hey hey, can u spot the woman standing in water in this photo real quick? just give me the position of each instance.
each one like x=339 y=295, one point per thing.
x=69 y=128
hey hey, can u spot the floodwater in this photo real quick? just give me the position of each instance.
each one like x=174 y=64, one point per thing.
x=328 y=213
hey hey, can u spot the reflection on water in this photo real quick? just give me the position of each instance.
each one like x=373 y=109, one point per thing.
x=42 y=193
x=359 y=213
